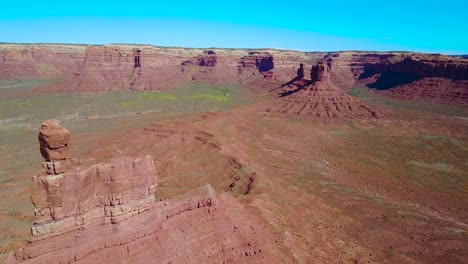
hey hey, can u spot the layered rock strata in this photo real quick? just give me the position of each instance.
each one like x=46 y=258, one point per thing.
x=105 y=193
x=82 y=68
x=254 y=63
x=107 y=213
x=403 y=75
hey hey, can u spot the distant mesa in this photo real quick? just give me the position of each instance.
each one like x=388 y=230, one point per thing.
x=410 y=76
x=262 y=61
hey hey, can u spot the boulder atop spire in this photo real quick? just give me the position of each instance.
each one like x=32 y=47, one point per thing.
x=53 y=140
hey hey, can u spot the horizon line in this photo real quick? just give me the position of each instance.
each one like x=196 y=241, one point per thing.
x=226 y=48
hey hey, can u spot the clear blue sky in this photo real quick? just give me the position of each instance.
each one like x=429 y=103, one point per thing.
x=326 y=25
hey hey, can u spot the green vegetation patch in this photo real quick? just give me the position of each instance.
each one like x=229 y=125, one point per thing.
x=8 y=87
x=157 y=96
x=216 y=98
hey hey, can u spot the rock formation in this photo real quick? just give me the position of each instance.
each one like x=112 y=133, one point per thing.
x=317 y=72
x=300 y=71
x=108 y=213
x=404 y=75
x=53 y=141
x=319 y=98
x=262 y=62
x=106 y=193
x=208 y=59
x=137 y=55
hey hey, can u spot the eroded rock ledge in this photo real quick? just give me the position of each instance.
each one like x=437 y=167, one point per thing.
x=108 y=213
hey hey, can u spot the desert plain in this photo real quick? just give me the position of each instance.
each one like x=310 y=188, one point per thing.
x=249 y=156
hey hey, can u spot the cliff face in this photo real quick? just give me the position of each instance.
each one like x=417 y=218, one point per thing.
x=105 y=193
x=418 y=69
x=404 y=75
x=142 y=67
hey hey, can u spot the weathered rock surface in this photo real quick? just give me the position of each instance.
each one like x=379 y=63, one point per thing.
x=53 y=141
x=208 y=59
x=169 y=231
x=437 y=89
x=106 y=193
x=261 y=61
x=317 y=72
x=142 y=67
x=107 y=213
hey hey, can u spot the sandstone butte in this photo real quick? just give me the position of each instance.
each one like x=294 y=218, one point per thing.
x=107 y=213
x=320 y=98
x=143 y=67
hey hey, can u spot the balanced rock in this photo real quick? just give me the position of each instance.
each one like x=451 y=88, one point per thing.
x=53 y=140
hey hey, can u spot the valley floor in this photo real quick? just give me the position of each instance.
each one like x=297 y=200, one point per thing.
x=387 y=191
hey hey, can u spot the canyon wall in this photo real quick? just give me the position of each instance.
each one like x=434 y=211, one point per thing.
x=403 y=75
x=150 y=68
x=142 y=67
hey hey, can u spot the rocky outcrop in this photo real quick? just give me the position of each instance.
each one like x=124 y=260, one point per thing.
x=137 y=55
x=53 y=141
x=437 y=89
x=108 y=213
x=424 y=76
x=300 y=71
x=410 y=69
x=208 y=59
x=169 y=231
x=261 y=61
x=317 y=72
x=104 y=193
x=319 y=98
x=256 y=62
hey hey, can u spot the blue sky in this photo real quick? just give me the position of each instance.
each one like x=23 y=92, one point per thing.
x=413 y=25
